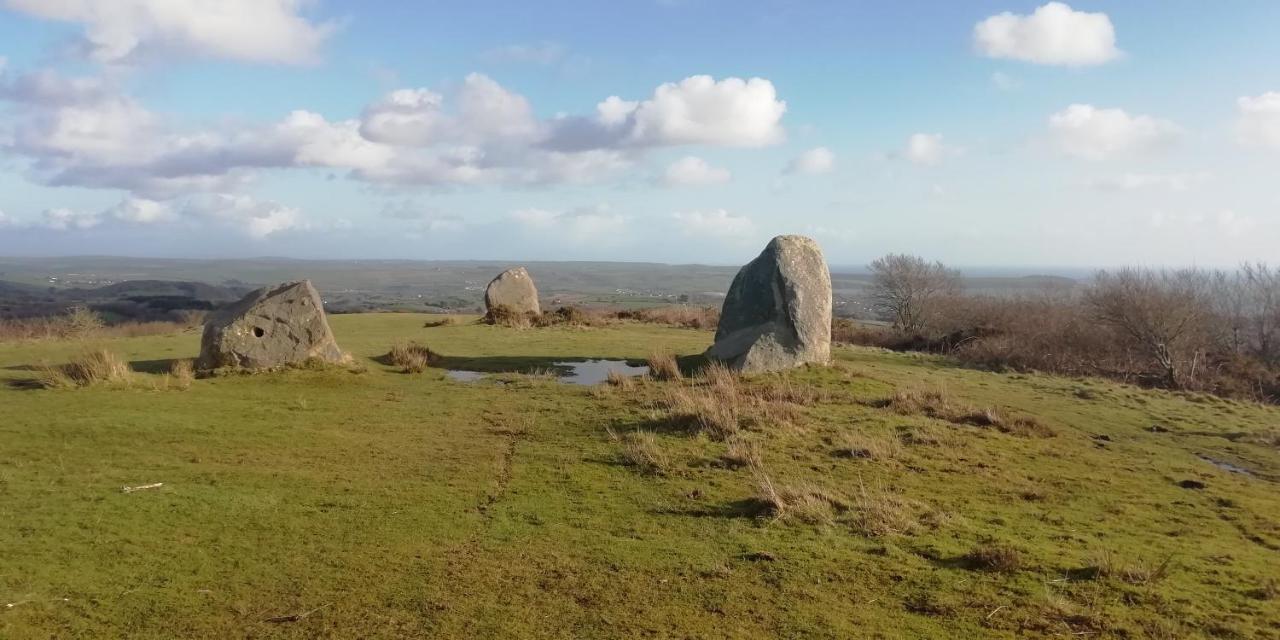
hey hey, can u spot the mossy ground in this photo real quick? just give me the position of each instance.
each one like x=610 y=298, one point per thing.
x=409 y=505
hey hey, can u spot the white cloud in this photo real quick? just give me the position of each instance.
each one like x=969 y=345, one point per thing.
x=5 y=219
x=1054 y=34
x=927 y=149
x=1258 y=122
x=717 y=223
x=1086 y=131
x=697 y=110
x=84 y=132
x=128 y=31
x=65 y=219
x=694 y=171
x=141 y=211
x=583 y=224
x=254 y=218
x=814 y=161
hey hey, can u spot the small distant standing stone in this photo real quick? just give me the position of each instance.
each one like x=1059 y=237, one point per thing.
x=271 y=327
x=777 y=314
x=514 y=290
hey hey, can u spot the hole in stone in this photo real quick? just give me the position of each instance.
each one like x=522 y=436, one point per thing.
x=258 y=332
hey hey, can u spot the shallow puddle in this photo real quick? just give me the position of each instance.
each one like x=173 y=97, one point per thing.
x=586 y=372
x=464 y=376
x=1227 y=466
x=597 y=371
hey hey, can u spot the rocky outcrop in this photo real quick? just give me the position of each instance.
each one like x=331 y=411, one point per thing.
x=270 y=327
x=513 y=290
x=777 y=314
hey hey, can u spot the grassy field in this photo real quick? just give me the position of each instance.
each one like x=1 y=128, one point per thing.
x=344 y=504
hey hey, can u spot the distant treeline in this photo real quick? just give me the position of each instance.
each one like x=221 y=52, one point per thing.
x=1192 y=329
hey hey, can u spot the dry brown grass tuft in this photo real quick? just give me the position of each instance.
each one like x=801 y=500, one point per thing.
x=663 y=366
x=939 y=405
x=1107 y=565
x=80 y=323
x=91 y=368
x=446 y=321
x=994 y=556
x=806 y=503
x=717 y=417
x=741 y=452
x=411 y=357
x=640 y=449
x=880 y=447
x=880 y=512
x=182 y=373
x=619 y=380
x=676 y=316
x=503 y=316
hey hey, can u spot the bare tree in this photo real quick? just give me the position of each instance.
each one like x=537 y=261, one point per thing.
x=1163 y=312
x=907 y=288
x=1263 y=309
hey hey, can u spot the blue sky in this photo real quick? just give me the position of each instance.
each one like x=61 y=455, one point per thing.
x=978 y=133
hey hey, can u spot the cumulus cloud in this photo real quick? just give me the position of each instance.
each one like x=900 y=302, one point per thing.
x=254 y=218
x=694 y=171
x=141 y=211
x=717 y=223
x=1258 y=120
x=697 y=110
x=814 y=161
x=1086 y=131
x=129 y=31
x=85 y=132
x=62 y=219
x=1055 y=34
x=583 y=224
x=926 y=149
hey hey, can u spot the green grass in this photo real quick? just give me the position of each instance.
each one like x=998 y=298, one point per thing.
x=408 y=505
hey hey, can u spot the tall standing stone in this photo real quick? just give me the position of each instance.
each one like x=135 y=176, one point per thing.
x=270 y=327
x=514 y=290
x=777 y=314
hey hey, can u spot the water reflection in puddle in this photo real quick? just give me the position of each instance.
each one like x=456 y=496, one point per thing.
x=1226 y=466
x=588 y=372
x=597 y=371
x=464 y=376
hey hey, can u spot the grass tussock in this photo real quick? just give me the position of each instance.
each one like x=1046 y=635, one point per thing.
x=663 y=366
x=741 y=452
x=411 y=357
x=1108 y=565
x=683 y=316
x=619 y=380
x=91 y=368
x=640 y=449
x=719 y=403
x=806 y=503
x=182 y=373
x=447 y=321
x=870 y=446
x=879 y=512
x=940 y=405
x=503 y=316
x=994 y=556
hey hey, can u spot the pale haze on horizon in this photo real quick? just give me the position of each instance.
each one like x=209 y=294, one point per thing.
x=997 y=133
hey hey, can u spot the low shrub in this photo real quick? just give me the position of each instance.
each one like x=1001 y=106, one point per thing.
x=90 y=368
x=663 y=366
x=411 y=357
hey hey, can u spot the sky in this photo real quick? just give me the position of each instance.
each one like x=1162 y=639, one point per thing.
x=979 y=133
